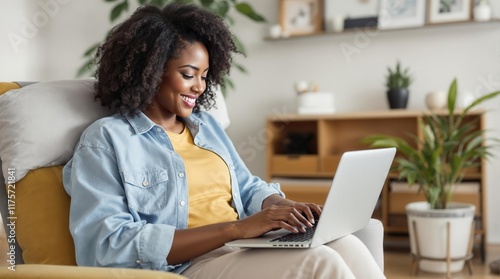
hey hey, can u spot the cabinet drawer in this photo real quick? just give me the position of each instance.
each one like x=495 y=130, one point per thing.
x=306 y=193
x=329 y=163
x=294 y=164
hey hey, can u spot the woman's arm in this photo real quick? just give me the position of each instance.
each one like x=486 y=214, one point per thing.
x=191 y=243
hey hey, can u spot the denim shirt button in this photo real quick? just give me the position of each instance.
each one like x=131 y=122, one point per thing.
x=200 y=143
x=182 y=203
x=181 y=174
x=158 y=129
x=145 y=183
x=138 y=261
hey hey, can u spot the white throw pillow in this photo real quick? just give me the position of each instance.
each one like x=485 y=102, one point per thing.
x=41 y=123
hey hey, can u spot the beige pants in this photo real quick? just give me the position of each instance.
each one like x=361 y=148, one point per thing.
x=347 y=257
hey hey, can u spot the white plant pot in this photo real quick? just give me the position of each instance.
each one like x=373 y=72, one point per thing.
x=432 y=234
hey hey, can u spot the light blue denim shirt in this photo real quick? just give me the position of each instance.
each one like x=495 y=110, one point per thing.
x=129 y=191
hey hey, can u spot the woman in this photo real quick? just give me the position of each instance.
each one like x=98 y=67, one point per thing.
x=159 y=185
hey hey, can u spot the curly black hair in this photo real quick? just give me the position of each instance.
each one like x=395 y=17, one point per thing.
x=133 y=59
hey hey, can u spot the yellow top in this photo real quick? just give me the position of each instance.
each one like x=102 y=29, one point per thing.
x=208 y=181
x=6 y=86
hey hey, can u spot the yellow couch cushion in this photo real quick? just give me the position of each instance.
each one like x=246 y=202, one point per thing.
x=30 y=271
x=42 y=224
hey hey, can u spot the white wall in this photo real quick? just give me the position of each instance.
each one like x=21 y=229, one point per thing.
x=434 y=55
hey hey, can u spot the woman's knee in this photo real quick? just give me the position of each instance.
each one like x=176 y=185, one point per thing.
x=320 y=262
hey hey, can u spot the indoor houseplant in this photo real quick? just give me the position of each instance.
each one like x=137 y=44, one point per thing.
x=435 y=161
x=220 y=7
x=397 y=83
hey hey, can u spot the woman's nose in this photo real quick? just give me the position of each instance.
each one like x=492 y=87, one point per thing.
x=199 y=87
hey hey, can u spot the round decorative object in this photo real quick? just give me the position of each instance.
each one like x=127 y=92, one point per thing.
x=436 y=100
x=482 y=12
x=275 y=31
x=398 y=98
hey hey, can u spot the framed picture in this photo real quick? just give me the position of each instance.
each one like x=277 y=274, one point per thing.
x=401 y=14
x=299 y=17
x=449 y=10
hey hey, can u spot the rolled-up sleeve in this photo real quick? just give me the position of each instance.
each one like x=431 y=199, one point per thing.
x=105 y=231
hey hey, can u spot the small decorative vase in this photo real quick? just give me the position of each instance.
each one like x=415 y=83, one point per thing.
x=398 y=98
x=482 y=12
x=436 y=100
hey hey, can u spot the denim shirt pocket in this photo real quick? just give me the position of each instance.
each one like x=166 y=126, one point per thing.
x=146 y=191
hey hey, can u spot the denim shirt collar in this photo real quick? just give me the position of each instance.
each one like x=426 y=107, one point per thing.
x=142 y=124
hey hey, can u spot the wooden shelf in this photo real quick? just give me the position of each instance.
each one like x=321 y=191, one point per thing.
x=307 y=177
x=374 y=29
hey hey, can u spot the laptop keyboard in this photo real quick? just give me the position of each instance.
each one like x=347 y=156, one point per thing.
x=297 y=237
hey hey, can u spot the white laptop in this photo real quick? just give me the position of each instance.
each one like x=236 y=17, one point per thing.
x=354 y=192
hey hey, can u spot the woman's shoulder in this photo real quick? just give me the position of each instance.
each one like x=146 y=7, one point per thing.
x=103 y=128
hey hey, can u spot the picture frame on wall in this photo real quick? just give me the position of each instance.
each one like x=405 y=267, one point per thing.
x=395 y=14
x=301 y=17
x=441 y=11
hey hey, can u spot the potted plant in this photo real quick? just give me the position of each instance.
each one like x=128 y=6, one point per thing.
x=449 y=144
x=397 y=83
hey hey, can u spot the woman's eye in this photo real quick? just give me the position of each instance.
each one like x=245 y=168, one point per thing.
x=204 y=78
x=187 y=76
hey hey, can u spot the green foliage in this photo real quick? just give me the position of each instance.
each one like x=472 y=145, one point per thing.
x=449 y=143
x=398 y=79
x=219 y=7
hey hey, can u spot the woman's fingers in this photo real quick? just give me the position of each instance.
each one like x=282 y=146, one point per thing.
x=290 y=215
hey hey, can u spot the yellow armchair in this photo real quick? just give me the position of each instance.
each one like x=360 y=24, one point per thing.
x=39 y=127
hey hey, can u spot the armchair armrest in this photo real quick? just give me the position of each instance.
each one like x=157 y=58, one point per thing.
x=79 y=272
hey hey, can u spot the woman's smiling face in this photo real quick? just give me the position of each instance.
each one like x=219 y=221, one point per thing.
x=184 y=81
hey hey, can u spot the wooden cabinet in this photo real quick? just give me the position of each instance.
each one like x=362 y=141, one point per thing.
x=305 y=168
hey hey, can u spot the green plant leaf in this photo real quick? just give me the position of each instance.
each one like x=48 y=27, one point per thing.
x=452 y=97
x=86 y=68
x=481 y=100
x=239 y=46
x=206 y=3
x=227 y=83
x=91 y=50
x=247 y=10
x=398 y=79
x=221 y=8
x=240 y=67
x=161 y=3
x=118 y=10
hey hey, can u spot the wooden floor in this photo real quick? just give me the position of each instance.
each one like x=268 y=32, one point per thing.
x=397 y=266
x=397 y=263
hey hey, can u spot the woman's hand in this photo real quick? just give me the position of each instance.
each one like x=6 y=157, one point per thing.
x=272 y=218
x=310 y=210
x=279 y=213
